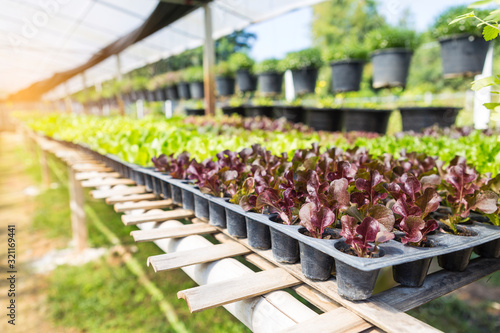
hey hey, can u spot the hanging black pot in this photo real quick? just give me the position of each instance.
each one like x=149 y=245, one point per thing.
x=160 y=94
x=183 y=90
x=172 y=93
x=463 y=55
x=224 y=85
x=245 y=80
x=315 y=264
x=196 y=90
x=390 y=67
x=229 y=110
x=324 y=119
x=270 y=83
x=418 y=118
x=346 y=75
x=304 y=80
x=366 y=120
x=195 y=112
x=258 y=111
x=294 y=114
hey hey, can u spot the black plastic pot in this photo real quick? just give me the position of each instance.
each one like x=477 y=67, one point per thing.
x=354 y=284
x=390 y=67
x=224 y=85
x=304 y=80
x=270 y=83
x=195 y=112
x=183 y=90
x=489 y=250
x=229 y=110
x=366 y=120
x=455 y=261
x=139 y=177
x=418 y=118
x=201 y=209
x=148 y=182
x=150 y=96
x=172 y=93
x=166 y=190
x=157 y=185
x=245 y=80
x=236 y=225
x=463 y=55
x=160 y=94
x=346 y=75
x=411 y=274
x=197 y=90
x=294 y=114
x=217 y=214
x=258 y=111
x=187 y=199
x=316 y=265
x=285 y=248
x=324 y=119
x=176 y=194
x=259 y=236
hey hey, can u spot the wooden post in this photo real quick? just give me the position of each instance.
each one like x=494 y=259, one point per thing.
x=77 y=203
x=45 y=168
x=85 y=92
x=67 y=98
x=209 y=63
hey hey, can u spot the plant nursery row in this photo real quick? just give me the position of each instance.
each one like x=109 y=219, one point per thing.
x=352 y=207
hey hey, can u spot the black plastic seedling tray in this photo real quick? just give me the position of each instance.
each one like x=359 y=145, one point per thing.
x=393 y=252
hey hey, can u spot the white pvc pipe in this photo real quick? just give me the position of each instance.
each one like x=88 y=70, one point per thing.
x=268 y=313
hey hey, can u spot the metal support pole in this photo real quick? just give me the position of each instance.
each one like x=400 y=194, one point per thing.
x=77 y=205
x=209 y=63
x=481 y=113
x=119 y=77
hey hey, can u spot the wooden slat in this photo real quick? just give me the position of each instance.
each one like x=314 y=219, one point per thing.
x=249 y=285
x=335 y=321
x=107 y=182
x=158 y=217
x=166 y=262
x=130 y=198
x=177 y=232
x=102 y=194
x=122 y=207
x=378 y=313
x=86 y=167
x=90 y=175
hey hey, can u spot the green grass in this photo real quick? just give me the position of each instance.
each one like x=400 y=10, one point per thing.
x=451 y=314
x=105 y=296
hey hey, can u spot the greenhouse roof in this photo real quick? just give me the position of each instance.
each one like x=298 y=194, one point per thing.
x=45 y=43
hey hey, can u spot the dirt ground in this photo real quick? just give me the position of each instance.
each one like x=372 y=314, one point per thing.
x=17 y=207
